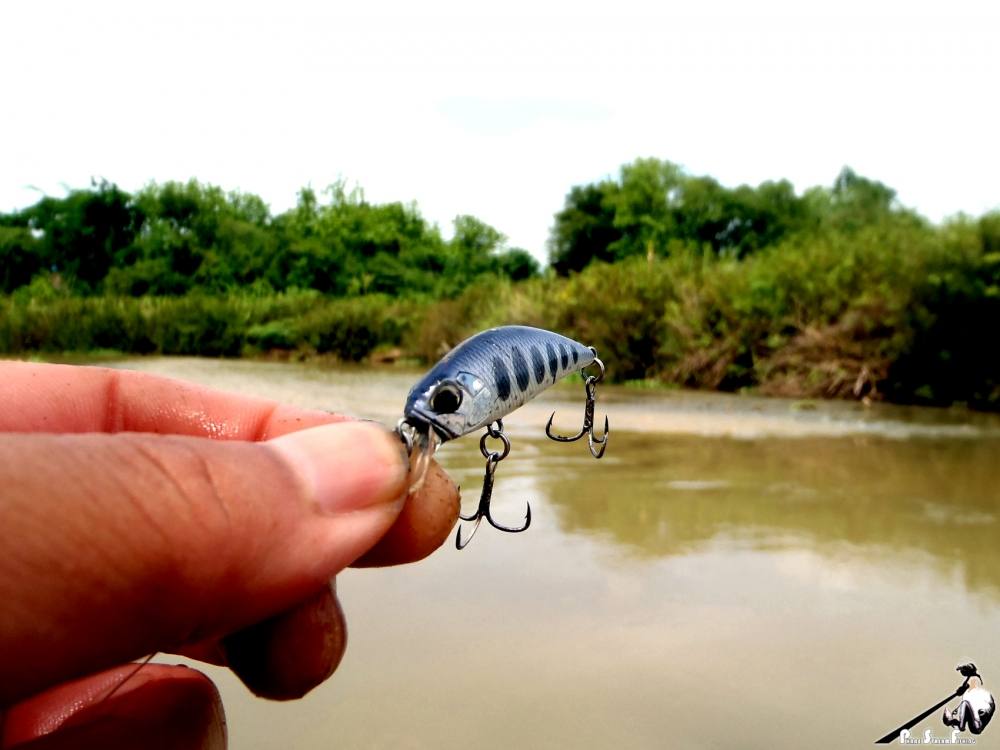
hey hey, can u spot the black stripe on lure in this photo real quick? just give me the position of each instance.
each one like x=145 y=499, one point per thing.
x=484 y=379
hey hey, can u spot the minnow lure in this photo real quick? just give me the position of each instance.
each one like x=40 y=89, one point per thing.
x=482 y=380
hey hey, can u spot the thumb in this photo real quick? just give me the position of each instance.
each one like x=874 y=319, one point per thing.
x=120 y=545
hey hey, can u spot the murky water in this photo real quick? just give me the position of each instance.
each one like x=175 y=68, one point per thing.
x=735 y=573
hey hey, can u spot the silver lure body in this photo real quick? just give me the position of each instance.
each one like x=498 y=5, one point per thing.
x=490 y=375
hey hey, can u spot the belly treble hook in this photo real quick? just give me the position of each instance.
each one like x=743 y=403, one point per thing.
x=483 y=510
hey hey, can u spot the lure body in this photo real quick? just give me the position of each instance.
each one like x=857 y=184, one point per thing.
x=482 y=380
x=490 y=375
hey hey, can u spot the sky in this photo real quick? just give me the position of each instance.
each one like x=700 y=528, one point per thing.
x=498 y=110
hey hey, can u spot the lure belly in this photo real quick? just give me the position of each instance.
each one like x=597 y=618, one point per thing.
x=487 y=377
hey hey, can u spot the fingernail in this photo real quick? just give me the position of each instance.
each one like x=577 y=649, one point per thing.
x=346 y=466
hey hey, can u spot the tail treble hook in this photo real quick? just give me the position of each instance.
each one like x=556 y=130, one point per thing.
x=590 y=386
x=483 y=511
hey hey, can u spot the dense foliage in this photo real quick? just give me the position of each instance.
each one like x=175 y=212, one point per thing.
x=174 y=238
x=837 y=291
x=654 y=208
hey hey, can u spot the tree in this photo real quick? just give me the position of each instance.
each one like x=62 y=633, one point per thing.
x=517 y=264
x=856 y=201
x=82 y=234
x=645 y=205
x=20 y=257
x=654 y=208
x=736 y=221
x=174 y=238
x=585 y=228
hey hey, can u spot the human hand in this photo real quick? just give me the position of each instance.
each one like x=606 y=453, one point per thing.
x=141 y=514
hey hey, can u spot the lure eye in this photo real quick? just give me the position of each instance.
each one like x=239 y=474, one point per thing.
x=446 y=399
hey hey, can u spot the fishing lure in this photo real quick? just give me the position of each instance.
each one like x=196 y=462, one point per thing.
x=482 y=380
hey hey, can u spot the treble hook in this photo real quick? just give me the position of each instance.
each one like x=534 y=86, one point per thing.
x=483 y=511
x=590 y=386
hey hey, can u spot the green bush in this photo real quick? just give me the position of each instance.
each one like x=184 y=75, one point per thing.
x=203 y=325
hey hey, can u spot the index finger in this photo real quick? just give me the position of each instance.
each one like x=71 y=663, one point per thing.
x=66 y=398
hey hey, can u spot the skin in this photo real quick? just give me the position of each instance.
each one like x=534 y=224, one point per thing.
x=145 y=515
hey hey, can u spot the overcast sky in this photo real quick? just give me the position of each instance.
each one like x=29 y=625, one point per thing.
x=497 y=114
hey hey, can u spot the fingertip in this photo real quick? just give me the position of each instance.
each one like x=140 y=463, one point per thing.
x=158 y=706
x=286 y=656
x=346 y=466
x=422 y=526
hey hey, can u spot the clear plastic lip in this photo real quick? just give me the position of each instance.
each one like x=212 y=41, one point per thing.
x=420 y=418
x=423 y=445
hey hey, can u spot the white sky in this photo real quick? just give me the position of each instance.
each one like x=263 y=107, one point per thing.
x=498 y=113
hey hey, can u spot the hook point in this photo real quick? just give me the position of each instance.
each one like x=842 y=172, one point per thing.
x=459 y=544
x=602 y=441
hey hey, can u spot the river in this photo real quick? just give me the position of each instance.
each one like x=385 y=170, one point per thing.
x=736 y=572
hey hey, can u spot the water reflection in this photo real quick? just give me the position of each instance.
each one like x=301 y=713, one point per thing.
x=779 y=582
x=670 y=495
